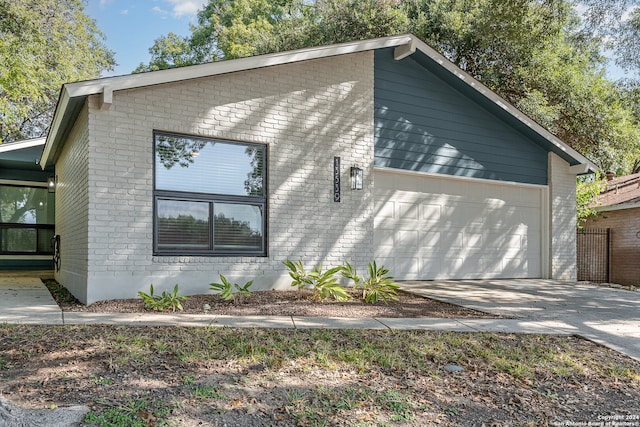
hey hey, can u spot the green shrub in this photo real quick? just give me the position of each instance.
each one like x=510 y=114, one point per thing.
x=225 y=289
x=165 y=301
x=324 y=284
x=378 y=286
x=350 y=273
x=300 y=278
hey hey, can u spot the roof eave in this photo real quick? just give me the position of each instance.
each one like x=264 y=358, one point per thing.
x=407 y=44
x=617 y=207
x=587 y=164
x=19 y=145
x=54 y=130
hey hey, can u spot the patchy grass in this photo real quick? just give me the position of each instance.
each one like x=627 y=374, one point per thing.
x=182 y=376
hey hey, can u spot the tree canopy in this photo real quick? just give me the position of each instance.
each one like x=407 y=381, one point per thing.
x=540 y=55
x=43 y=44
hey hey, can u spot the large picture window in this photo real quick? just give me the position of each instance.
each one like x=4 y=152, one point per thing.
x=210 y=196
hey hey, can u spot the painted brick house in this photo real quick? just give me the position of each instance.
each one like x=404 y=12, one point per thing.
x=231 y=167
x=619 y=208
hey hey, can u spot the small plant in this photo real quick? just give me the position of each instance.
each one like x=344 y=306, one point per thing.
x=351 y=273
x=324 y=284
x=225 y=289
x=300 y=277
x=377 y=287
x=165 y=301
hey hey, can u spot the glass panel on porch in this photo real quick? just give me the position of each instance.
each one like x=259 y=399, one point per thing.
x=18 y=240
x=26 y=205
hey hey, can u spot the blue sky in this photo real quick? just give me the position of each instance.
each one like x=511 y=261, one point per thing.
x=131 y=26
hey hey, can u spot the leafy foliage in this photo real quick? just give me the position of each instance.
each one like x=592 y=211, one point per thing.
x=300 y=278
x=165 y=301
x=587 y=190
x=226 y=289
x=43 y=44
x=538 y=55
x=377 y=287
x=351 y=273
x=324 y=284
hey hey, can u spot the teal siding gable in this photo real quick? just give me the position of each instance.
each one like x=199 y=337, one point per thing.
x=424 y=124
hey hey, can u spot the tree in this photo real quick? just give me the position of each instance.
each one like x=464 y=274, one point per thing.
x=43 y=44
x=587 y=190
x=617 y=22
x=537 y=54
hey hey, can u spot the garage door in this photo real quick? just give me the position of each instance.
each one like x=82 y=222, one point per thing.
x=429 y=227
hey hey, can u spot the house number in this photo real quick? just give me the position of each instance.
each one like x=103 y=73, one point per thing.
x=336 y=179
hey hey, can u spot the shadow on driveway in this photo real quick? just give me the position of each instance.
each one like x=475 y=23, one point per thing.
x=610 y=317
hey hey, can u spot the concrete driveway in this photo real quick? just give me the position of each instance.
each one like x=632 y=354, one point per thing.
x=610 y=317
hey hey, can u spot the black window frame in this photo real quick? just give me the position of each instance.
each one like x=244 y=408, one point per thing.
x=211 y=199
x=37 y=228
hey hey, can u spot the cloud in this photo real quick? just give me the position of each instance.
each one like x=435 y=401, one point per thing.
x=103 y=3
x=185 y=7
x=163 y=13
x=124 y=12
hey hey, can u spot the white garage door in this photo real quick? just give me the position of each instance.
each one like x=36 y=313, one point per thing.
x=448 y=228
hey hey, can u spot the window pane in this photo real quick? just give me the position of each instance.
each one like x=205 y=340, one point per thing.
x=44 y=240
x=183 y=225
x=19 y=239
x=208 y=166
x=26 y=205
x=237 y=227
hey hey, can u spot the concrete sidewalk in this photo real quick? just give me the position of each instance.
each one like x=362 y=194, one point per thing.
x=25 y=299
x=540 y=307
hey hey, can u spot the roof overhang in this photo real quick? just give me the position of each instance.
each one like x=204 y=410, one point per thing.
x=74 y=95
x=21 y=145
x=618 y=207
x=21 y=155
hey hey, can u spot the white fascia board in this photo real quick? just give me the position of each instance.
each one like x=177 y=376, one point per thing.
x=171 y=75
x=106 y=86
x=580 y=169
x=19 y=145
x=63 y=101
x=502 y=103
x=618 y=207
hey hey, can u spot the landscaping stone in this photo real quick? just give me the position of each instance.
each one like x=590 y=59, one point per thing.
x=12 y=415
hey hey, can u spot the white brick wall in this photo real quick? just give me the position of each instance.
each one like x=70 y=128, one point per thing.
x=306 y=113
x=71 y=208
x=562 y=194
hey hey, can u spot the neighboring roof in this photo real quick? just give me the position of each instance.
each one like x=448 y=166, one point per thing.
x=621 y=193
x=73 y=95
x=22 y=154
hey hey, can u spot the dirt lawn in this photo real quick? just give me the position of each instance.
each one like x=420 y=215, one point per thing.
x=153 y=376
